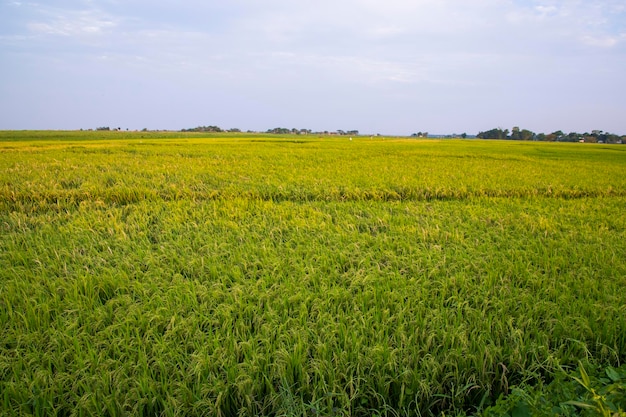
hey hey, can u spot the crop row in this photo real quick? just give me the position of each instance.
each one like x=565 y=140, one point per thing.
x=64 y=199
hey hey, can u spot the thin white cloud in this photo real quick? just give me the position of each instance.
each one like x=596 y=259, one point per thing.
x=546 y=10
x=606 y=41
x=356 y=69
x=74 y=23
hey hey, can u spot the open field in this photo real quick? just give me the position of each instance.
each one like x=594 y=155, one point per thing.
x=184 y=274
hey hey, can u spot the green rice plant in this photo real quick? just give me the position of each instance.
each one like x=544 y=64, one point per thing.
x=608 y=400
x=568 y=394
x=262 y=276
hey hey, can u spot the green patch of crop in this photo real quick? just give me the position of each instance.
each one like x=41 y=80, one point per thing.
x=574 y=393
x=270 y=275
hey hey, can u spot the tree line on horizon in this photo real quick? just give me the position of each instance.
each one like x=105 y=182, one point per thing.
x=276 y=131
x=596 y=136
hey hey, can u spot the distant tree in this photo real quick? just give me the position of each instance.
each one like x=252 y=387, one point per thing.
x=602 y=138
x=591 y=138
x=612 y=138
x=464 y=135
x=523 y=134
x=526 y=134
x=494 y=134
x=573 y=137
x=279 y=130
x=555 y=136
x=515 y=133
x=204 y=129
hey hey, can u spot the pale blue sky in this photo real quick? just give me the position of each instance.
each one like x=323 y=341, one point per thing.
x=391 y=67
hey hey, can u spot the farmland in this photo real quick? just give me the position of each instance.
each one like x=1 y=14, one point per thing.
x=193 y=274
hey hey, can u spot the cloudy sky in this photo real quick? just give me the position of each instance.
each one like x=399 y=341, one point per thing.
x=391 y=67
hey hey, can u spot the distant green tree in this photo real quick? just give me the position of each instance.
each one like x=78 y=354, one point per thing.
x=612 y=138
x=494 y=134
x=523 y=134
x=555 y=136
x=526 y=134
x=573 y=137
x=204 y=129
x=279 y=131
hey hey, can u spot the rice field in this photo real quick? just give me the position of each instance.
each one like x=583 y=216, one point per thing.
x=175 y=274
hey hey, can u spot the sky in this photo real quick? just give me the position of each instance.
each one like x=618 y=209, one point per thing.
x=389 y=67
